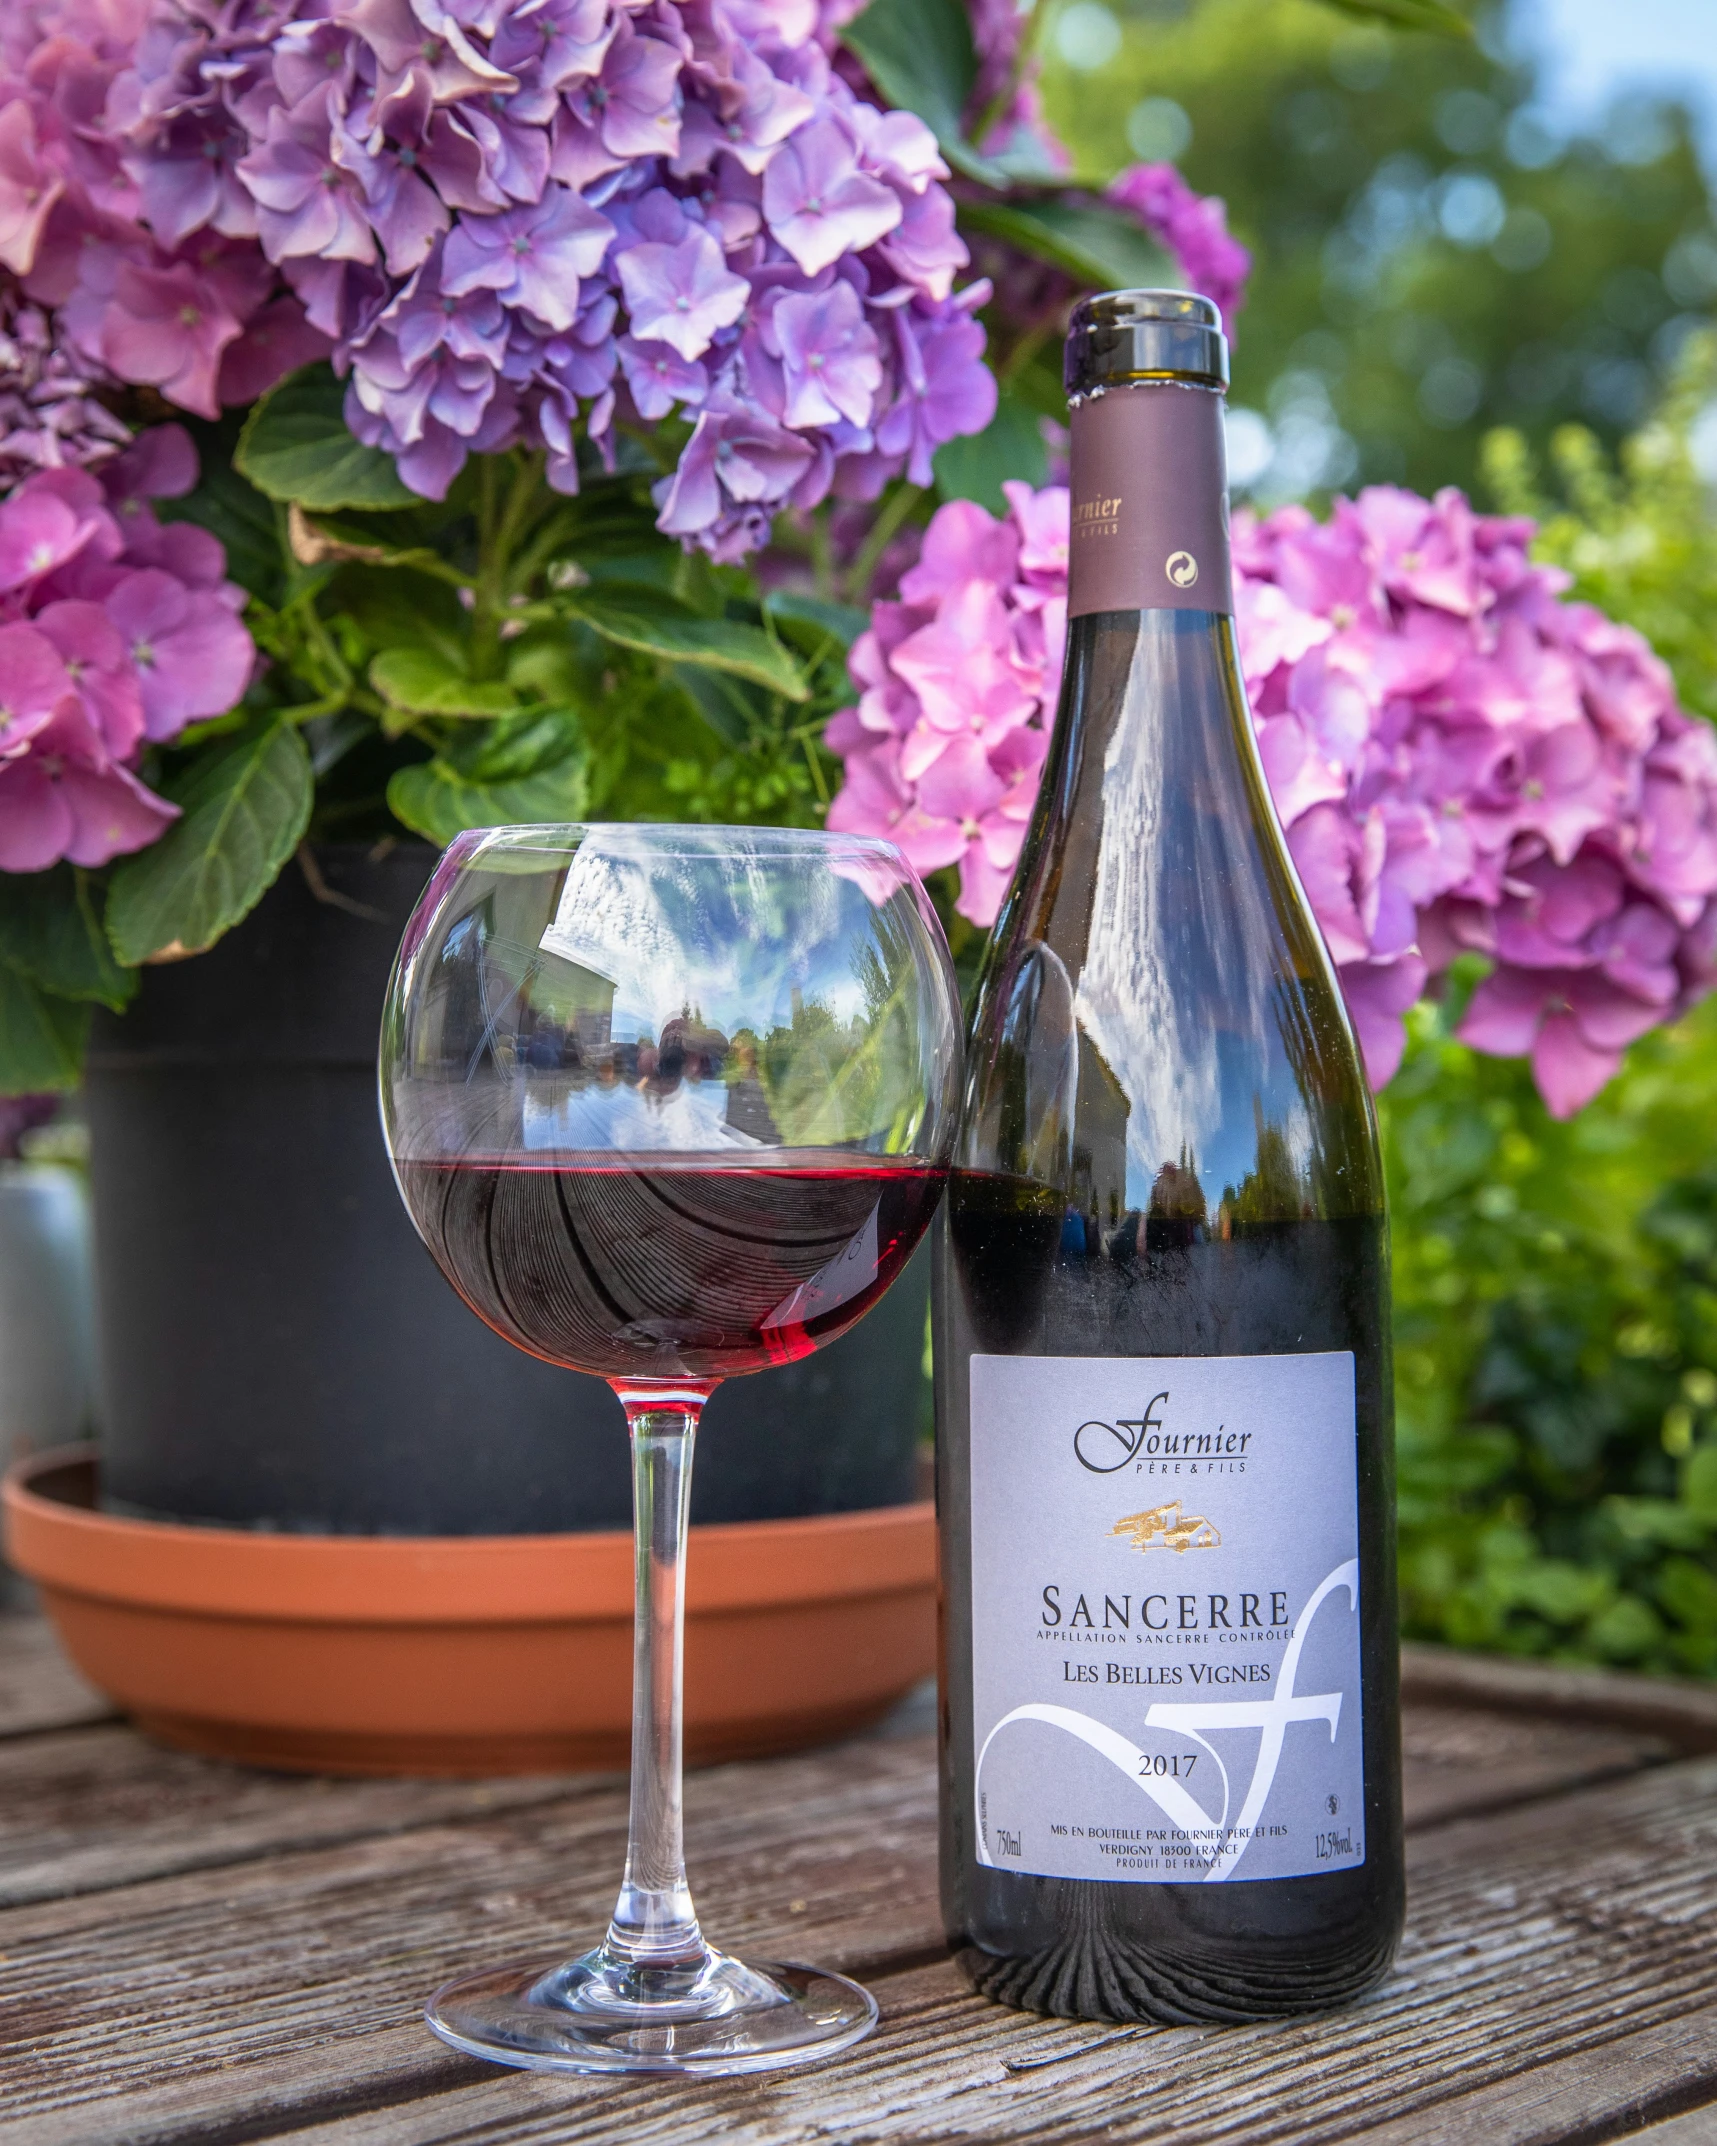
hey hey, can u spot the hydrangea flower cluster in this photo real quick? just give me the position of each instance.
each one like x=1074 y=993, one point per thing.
x=1462 y=761
x=959 y=678
x=116 y=630
x=502 y=213
x=1465 y=762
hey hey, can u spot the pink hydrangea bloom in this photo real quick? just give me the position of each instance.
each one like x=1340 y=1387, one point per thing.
x=959 y=679
x=116 y=630
x=1461 y=760
x=1465 y=762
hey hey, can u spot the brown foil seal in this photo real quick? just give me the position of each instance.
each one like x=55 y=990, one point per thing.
x=1150 y=502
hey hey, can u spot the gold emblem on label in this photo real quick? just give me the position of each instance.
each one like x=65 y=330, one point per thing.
x=1166 y=1527
x=1181 y=568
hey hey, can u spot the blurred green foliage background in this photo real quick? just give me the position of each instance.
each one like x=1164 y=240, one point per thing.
x=1429 y=260
x=1445 y=293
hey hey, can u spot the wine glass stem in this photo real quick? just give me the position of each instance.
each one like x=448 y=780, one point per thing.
x=655 y=1924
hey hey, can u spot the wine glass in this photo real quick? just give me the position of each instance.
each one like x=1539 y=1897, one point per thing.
x=667 y=1104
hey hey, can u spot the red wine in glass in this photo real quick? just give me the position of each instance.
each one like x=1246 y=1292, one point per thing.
x=671 y=1265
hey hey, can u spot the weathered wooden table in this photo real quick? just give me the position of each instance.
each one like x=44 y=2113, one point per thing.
x=193 y=1953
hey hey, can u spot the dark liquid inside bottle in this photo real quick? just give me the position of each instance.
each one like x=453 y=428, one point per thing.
x=1168 y=1152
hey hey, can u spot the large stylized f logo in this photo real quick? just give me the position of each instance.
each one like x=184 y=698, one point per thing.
x=1270 y=1717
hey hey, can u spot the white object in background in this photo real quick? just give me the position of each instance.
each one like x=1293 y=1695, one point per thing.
x=46 y=1321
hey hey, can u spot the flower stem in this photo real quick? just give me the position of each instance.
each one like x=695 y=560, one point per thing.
x=501 y=523
x=882 y=532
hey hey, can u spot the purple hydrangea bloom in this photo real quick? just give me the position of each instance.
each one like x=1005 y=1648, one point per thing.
x=49 y=415
x=682 y=295
x=306 y=203
x=829 y=357
x=659 y=377
x=66 y=798
x=507 y=219
x=1194 y=228
x=531 y=258
x=817 y=201
x=191 y=656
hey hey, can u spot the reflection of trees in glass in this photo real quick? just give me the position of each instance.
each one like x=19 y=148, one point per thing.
x=1023 y=1074
x=1341 y=1168
x=1100 y=1139
x=1428 y=262
x=828 y=1083
x=1272 y=1190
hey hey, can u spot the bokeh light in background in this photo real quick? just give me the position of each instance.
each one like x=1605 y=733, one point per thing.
x=1518 y=232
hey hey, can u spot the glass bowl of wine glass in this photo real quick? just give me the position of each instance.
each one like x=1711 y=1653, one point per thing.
x=669 y=1105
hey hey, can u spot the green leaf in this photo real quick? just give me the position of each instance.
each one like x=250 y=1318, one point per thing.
x=727 y=704
x=532 y=768
x=246 y=802
x=810 y=621
x=920 y=54
x=296 y=445
x=419 y=683
x=399 y=608
x=1011 y=445
x=1099 y=244
x=41 y=1038
x=1410 y=15
x=528 y=743
x=655 y=625
x=51 y=934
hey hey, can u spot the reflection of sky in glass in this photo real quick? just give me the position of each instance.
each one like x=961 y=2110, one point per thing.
x=732 y=938
x=1166 y=1061
x=1193 y=1049
x=624 y=1118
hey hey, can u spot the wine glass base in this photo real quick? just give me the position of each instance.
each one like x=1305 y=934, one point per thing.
x=716 y=2017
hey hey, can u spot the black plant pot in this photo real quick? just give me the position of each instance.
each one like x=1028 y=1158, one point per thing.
x=278 y=1349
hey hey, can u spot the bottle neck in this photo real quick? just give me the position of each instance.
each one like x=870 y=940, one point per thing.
x=1149 y=502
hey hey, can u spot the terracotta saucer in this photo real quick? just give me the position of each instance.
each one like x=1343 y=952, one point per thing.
x=468 y=1654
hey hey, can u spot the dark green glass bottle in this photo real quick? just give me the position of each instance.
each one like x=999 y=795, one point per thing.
x=1170 y=1751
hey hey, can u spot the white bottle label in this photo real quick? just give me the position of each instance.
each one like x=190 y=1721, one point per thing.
x=1165 y=1617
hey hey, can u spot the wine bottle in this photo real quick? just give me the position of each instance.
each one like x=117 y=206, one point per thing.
x=1170 y=1739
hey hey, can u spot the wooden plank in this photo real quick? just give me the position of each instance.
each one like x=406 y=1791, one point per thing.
x=97 y=1807
x=1598 y=2093
x=1581 y=2100
x=1458 y=1761
x=177 y=2006
x=1556 y=1987
x=39 y=1688
x=1683 y=1714
x=102 y=1807
x=245 y=2004
x=82 y=1810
